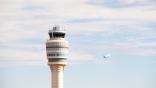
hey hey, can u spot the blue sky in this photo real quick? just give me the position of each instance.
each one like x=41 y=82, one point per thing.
x=125 y=29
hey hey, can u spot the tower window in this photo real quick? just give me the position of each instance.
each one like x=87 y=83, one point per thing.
x=56 y=54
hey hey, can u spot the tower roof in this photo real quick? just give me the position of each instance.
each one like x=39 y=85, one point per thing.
x=56 y=32
x=57 y=29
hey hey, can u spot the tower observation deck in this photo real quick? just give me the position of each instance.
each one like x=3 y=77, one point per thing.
x=57 y=51
x=57 y=46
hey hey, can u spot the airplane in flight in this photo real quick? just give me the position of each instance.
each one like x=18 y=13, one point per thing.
x=107 y=56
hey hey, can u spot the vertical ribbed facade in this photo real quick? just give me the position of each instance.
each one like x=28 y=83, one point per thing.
x=57 y=52
x=57 y=76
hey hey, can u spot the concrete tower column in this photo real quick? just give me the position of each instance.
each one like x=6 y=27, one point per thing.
x=57 y=75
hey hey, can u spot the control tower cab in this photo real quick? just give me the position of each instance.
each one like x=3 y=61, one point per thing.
x=57 y=47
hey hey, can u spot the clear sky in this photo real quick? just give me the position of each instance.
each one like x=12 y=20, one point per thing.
x=124 y=29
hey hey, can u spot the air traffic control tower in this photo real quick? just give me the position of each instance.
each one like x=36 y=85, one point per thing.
x=57 y=50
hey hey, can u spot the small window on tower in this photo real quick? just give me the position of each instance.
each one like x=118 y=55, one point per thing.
x=57 y=54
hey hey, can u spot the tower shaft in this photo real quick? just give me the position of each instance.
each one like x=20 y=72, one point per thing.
x=57 y=71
